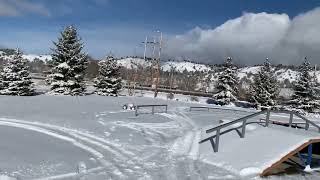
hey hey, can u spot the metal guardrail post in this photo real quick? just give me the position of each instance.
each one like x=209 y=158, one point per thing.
x=136 y=111
x=216 y=144
x=243 y=132
x=307 y=126
x=167 y=109
x=268 y=118
x=152 y=110
x=291 y=119
x=308 y=121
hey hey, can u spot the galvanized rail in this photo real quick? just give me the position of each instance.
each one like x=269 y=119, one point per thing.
x=153 y=106
x=192 y=108
x=244 y=121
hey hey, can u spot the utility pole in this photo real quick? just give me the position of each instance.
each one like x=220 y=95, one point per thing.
x=158 y=67
x=155 y=69
x=145 y=48
x=153 y=46
x=315 y=74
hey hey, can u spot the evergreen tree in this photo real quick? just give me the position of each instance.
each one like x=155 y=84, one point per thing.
x=108 y=82
x=69 y=64
x=15 y=77
x=264 y=90
x=227 y=85
x=305 y=96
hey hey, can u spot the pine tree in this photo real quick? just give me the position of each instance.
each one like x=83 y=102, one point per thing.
x=305 y=96
x=108 y=82
x=69 y=64
x=227 y=84
x=264 y=90
x=15 y=77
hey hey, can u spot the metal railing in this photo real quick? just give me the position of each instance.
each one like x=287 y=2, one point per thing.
x=244 y=121
x=153 y=106
x=199 y=108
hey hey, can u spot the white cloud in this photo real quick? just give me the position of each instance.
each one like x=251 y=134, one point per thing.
x=20 y=7
x=7 y=9
x=251 y=38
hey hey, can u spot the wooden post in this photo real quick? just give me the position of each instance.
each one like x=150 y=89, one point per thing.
x=216 y=145
x=291 y=119
x=268 y=118
x=243 y=128
x=166 y=108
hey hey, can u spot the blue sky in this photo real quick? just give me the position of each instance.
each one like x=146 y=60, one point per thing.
x=120 y=25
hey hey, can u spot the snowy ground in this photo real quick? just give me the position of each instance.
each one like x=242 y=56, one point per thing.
x=49 y=137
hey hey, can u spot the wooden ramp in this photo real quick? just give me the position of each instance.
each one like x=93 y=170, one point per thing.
x=291 y=158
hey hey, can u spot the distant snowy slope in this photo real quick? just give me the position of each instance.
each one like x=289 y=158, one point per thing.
x=281 y=74
x=130 y=63
x=32 y=57
x=133 y=63
x=181 y=66
x=29 y=57
x=288 y=74
x=246 y=71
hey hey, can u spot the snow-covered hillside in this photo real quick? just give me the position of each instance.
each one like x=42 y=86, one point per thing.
x=29 y=57
x=181 y=66
x=32 y=57
x=247 y=71
x=133 y=63
x=165 y=66
x=281 y=74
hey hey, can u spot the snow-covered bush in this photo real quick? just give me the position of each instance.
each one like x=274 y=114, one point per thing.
x=227 y=85
x=108 y=82
x=69 y=64
x=15 y=79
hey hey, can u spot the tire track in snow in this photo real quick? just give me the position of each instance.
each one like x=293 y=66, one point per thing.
x=184 y=121
x=88 y=138
x=65 y=133
x=99 y=156
x=186 y=148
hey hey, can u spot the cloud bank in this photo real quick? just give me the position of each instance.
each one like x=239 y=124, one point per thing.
x=12 y=8
x=251 y=38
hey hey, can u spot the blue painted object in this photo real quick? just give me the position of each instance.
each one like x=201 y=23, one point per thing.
x=309 y=160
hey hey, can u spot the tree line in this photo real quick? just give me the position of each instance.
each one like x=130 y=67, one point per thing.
x=67 y=72
x=70 y=64
x=264 y=90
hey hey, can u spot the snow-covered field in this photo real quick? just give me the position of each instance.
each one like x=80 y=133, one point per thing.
x=55 y=137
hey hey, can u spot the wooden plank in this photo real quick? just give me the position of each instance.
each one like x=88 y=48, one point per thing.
x=288 y=156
